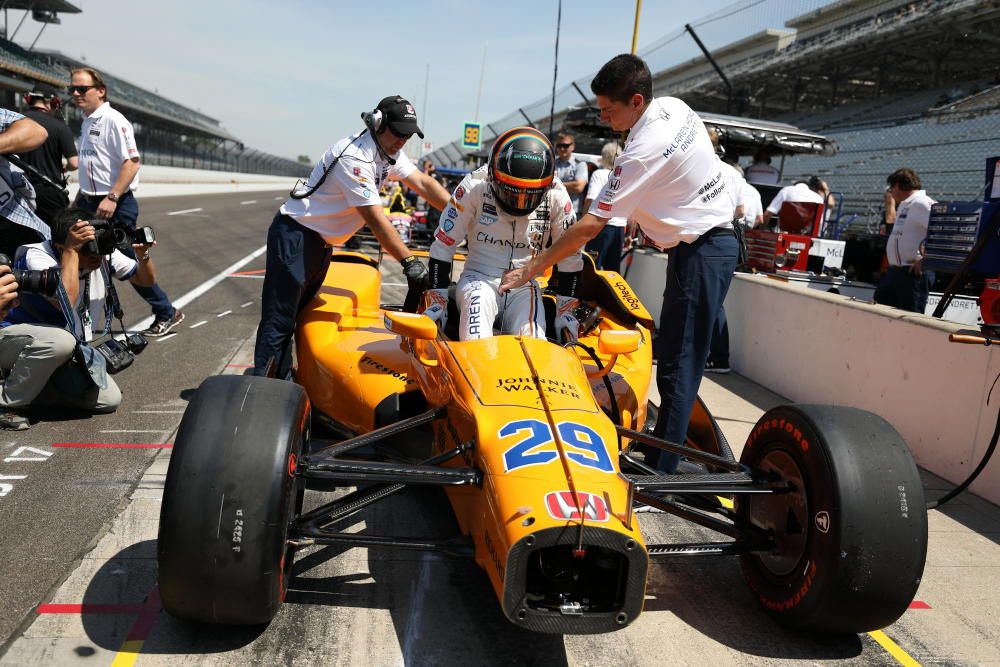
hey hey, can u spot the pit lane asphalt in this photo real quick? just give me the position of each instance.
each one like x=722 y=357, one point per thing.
x=59 y=506
x=381 y=607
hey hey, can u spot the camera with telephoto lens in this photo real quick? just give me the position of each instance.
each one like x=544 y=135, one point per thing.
x=45 y=282
x=111 y=235
x=119 y=354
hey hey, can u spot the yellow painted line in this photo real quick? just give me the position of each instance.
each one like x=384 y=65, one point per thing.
x=128 y=653
x=894 y=649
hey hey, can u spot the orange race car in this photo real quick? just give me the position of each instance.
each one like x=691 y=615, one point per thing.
x=533 y=443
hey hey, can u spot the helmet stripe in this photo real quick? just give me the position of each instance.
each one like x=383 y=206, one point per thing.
x=523 y=182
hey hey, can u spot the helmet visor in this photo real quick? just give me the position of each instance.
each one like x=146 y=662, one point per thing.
x=517 y=201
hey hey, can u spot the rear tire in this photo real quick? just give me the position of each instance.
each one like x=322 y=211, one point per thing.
x=229 y=498
x=851 y=539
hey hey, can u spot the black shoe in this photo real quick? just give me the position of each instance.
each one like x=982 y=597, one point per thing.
x=161 y=326
x=716 y=367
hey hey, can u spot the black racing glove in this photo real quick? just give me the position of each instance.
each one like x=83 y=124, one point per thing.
x=415 y=272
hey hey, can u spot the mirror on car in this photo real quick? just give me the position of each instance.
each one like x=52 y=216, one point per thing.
x=410 y=325
x=612 y=341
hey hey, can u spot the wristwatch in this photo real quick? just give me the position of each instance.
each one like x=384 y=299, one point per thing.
x=113 y=197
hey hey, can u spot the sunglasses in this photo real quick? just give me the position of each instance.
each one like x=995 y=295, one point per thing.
x=564 y=145
x=80 y=90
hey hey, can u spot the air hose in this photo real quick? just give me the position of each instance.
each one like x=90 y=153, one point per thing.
x=615 y=413
x=982 y=463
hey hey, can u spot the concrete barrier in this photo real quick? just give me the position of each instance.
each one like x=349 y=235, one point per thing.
x=814 y=347
x=156 y=181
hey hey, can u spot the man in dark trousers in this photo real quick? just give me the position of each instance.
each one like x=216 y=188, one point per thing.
x=48 y=158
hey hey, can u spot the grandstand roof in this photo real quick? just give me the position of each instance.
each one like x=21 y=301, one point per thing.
x=901 y=48
x=827 y=15
x=130 y=96
x=58 y=6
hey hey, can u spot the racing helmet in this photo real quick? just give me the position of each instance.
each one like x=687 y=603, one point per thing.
x=521 y=169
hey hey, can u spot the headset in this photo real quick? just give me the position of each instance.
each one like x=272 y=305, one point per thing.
x=373 y=121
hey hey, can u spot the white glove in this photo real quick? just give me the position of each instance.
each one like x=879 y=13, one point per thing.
x=436 y=306
x=567 y=326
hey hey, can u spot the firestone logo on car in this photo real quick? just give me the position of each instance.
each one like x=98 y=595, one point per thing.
x=561 y=506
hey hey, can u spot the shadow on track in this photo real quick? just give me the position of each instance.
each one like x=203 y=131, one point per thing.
x=128 y=578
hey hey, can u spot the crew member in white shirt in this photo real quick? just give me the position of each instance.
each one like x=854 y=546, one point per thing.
x=669 y=180
x=340 y=196
x=906 y=283
x=802 y=191
x=607 y=245
x=109 y=173
x=761 y=171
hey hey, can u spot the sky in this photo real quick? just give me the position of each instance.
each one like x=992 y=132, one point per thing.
x=292 y=77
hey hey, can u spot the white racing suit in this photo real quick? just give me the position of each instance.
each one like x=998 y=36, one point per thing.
x=497 y=243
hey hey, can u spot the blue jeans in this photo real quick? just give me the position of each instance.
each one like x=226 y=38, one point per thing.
x=901 y=288
x=127 y=213
x=698 y=277
x=297 y=261
x=608 y=246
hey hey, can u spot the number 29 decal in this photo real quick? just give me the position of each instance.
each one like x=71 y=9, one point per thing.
x=536 y=446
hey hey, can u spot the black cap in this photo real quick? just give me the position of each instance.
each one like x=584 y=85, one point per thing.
x=399 y=115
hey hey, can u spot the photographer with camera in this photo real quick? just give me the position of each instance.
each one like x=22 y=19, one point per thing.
x=18 y=222
x=52 y=159
x=67 y=299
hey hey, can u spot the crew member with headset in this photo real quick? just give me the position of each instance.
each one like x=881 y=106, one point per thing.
x=50 y=179
x=340 y=196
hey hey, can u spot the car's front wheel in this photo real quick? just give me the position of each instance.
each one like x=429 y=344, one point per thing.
x=230 y=495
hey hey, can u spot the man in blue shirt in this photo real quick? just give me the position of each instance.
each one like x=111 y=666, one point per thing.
x=572 y=172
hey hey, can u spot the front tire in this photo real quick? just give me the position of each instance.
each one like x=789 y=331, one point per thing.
x=850 y=539
x=230 y=495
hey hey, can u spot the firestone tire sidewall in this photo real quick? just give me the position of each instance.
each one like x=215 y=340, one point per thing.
x=228 y=499
x=866 y=522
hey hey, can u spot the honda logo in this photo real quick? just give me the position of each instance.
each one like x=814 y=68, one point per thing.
x=562 y=507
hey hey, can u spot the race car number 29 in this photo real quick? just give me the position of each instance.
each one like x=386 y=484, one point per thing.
x=536 y=445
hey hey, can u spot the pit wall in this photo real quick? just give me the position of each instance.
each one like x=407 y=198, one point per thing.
x=813 y=347
x=156 y=181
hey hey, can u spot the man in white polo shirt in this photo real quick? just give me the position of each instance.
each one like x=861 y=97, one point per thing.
x=669 y=180
x=906 y=283
x=809 y=192
x=340 y=196
x=109 y=173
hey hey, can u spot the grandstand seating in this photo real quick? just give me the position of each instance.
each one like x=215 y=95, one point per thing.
x=168 y=133
x=948 y=152
x=16 y=59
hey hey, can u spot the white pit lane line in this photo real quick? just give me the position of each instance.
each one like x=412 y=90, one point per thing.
x=195 y=326
x=251 y=201
x=187 y=210
x=204 y=287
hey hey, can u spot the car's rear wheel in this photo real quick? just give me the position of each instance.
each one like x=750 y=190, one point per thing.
x=850 y=538
x=230 y=495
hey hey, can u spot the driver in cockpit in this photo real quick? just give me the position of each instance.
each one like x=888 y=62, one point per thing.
x=508 y=211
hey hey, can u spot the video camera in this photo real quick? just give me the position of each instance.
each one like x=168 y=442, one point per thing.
x=111 y=235
x=45 y=282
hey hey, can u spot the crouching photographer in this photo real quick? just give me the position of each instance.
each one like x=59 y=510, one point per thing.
x=62 y=298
